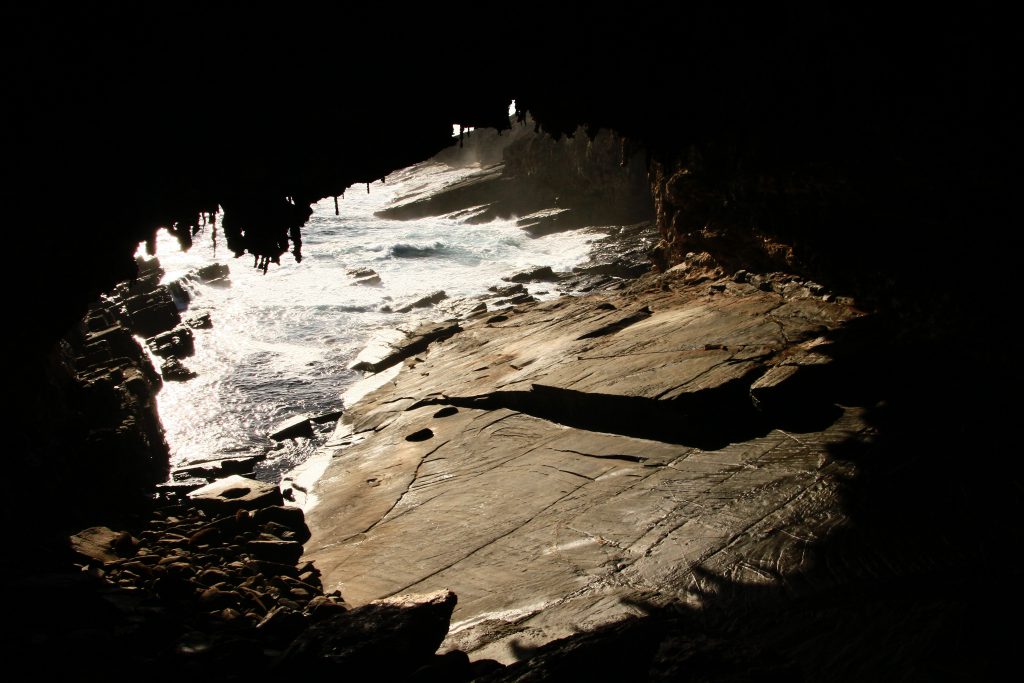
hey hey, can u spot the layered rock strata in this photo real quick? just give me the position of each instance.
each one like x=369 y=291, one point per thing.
x=546 y=185
x=559 y=465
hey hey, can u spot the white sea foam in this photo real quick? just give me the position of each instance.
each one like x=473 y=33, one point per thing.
x=281 y=343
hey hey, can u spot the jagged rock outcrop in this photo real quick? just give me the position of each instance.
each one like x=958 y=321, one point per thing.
x=96 y=433
x=402 y=344
x=547 y=184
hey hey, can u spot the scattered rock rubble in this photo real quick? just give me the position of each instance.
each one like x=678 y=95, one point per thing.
x=218 y=576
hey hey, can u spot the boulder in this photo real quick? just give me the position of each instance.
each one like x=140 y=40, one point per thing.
x=145 y=282
x=221 y=467
x=173 y=370
x=539 y=274
x=180 y=292
x=322 y=607
x=422 y=302
x=619 y=267
x=237 y=492
x=364 y=276
x=389 y=638
x=215 y=272
x=177 y=343
x=507 y=290
x=462 y=308
x=101 y=544
x=401 y=348
x=287 y=516
x=292 y=428
x=370 y=280
x=150 y=315
x=200 y=322
x=148 y=266
x=360 y=272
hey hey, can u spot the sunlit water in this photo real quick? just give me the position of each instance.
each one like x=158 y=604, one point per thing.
x=281 y=342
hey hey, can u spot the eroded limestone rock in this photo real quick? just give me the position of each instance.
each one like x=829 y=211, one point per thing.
x=570 y=456
x=237 y=492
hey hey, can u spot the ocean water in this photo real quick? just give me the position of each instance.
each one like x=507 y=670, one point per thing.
x=281 y=342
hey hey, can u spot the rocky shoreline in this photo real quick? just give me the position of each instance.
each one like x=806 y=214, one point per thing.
x=210 y=586
x=206 y=581
x=378 y=494
x=641 y=480
x=662 y=461
x=687 y=494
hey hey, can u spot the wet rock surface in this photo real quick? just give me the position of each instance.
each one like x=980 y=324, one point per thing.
x=364 y=276
x=237 y=492
x=577 y=423
x=538 y=274
x=670 y=462
x=425 y=301
x=404 y=343
x=293 y=427
x=217 y=274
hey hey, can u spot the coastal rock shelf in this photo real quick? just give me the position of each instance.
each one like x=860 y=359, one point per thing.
x=581 y=456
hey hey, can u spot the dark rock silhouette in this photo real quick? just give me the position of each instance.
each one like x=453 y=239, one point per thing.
x=871 y=152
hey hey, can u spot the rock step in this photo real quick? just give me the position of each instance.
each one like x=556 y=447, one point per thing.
x=415 y=342
x=293 y=427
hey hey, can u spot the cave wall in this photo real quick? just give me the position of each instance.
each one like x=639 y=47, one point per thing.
x=851 y=135
x=602 y=174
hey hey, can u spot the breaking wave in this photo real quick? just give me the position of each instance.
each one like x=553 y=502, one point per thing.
x=412 y=250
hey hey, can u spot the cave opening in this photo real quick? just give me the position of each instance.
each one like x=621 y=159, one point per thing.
x=830 y=191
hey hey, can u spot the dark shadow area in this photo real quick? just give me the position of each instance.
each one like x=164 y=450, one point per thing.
x=708 y=419
x=919 y=584
x=421 y=435
x=546 y=185
x=880 y=144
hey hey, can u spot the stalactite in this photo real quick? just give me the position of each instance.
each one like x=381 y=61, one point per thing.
x=296 y=236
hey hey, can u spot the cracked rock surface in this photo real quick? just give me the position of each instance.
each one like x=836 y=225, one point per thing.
x=586 y=457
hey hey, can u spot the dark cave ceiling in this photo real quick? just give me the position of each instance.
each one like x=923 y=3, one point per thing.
x=125 y=119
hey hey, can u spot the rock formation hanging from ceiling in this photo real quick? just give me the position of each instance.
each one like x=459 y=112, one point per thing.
x=852 y=136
